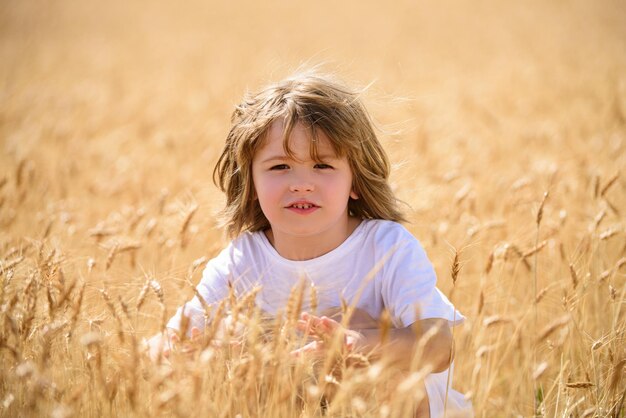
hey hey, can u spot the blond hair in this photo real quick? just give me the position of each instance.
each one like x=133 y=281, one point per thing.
x=318 y=102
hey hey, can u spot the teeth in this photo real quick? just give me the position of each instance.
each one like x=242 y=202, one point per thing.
x=302 y=206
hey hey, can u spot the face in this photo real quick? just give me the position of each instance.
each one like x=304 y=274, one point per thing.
x=302 y=198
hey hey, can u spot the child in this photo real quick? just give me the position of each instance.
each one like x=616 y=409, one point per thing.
x=307 y=196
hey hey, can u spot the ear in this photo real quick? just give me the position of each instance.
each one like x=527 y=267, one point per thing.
x=354 y=195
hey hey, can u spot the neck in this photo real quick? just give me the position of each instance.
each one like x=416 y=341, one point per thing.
x=309 y=247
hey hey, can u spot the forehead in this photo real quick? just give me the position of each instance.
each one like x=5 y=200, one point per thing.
x=302 y=142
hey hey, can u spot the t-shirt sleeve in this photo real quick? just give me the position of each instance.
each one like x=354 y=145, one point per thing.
x=409 y=291
x=213 y=287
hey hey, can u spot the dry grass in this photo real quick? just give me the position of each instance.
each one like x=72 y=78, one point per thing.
x=112 y=115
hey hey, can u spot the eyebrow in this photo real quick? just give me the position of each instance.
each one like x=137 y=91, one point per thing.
x=324 y=157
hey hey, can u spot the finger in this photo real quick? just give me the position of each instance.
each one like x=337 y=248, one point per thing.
x=170 y=344
x=152 y=347
x=310 y=348
x=327 y=325
x=195 y=333
x=311 y=320
x=153 y=353
x=166 y=351
x=319 y=327
x=307 y=322
x=349 y=343
x=302 y=325
x=305 y=316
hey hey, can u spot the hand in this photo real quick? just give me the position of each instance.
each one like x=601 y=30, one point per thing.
x=359 y=319
x=324 y=329
x=162 y=344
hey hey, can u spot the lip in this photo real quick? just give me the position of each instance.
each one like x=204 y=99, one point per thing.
x=302 y=207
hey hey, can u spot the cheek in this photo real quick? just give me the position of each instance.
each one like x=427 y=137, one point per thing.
x=342 y=187
x=351 y=187
x=266 y=189
x=253 y=192
x=259 y=184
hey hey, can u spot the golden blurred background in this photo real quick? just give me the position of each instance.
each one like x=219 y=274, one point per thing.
x=112 y=115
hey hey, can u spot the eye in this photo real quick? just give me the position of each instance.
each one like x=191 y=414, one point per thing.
x=323 y=166
x=279 y=167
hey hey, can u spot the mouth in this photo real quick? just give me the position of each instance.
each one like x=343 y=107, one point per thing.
x=302 y=206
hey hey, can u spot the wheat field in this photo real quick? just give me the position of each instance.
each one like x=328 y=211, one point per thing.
x=506 y=126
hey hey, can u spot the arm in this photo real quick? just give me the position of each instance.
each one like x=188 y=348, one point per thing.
x=409 y=292
x=431 y=337
x=227 y=332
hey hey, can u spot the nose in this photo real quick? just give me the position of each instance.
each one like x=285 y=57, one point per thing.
x=301 y=183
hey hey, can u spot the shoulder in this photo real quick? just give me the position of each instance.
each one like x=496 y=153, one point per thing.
x=389 y=233
x=397 y=245
x=246 y=246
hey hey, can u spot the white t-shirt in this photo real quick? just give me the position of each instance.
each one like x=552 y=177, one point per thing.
x=379 y=266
